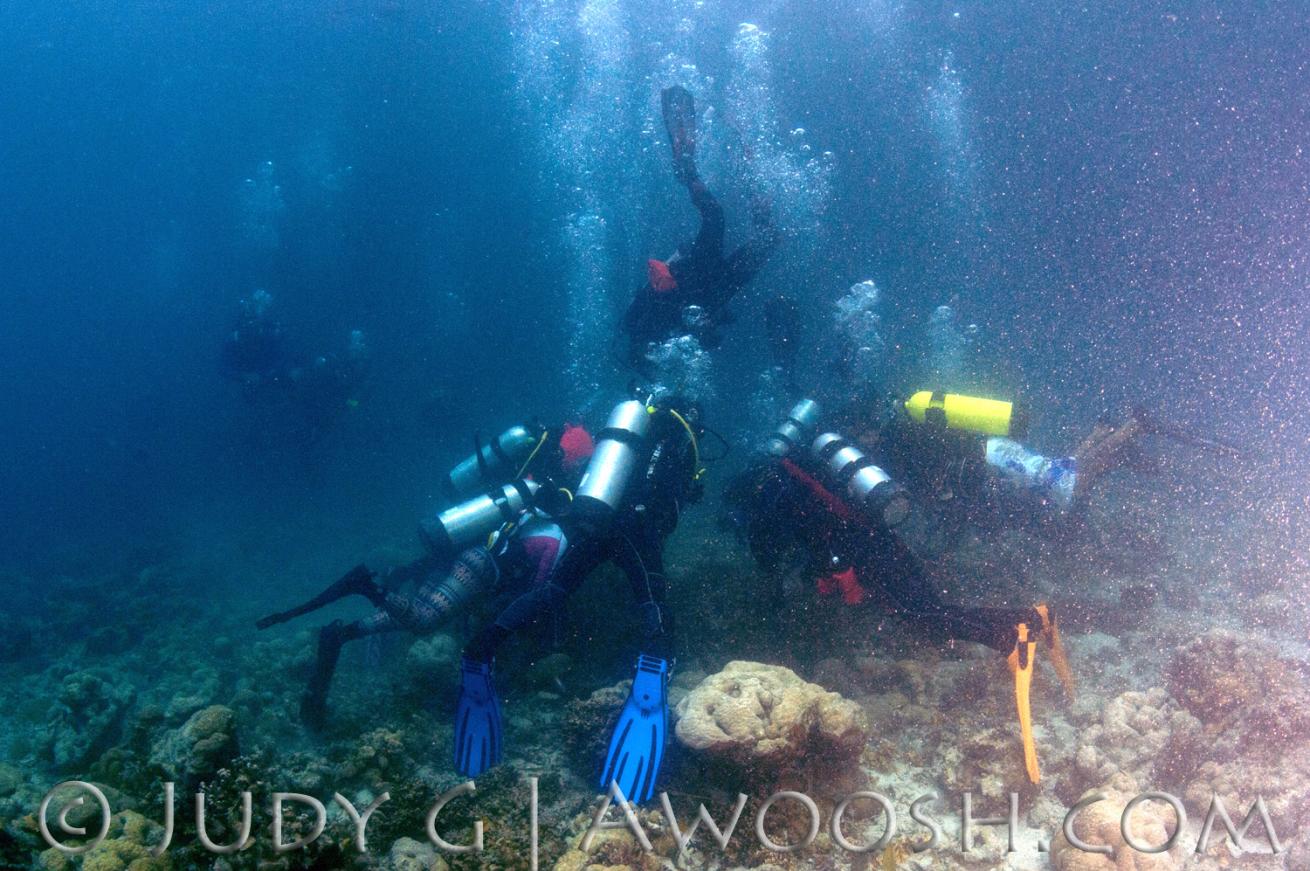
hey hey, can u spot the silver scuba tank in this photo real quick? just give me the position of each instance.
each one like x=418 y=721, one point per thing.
x=491 y=464
x=795 y=430
x=866 y=484
x=620 y=449
x=470 y=522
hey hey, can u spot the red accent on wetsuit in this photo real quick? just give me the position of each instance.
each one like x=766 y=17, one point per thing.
x=852 y=593
x=822 y=493
x=542 y=550
x=846 y=583
x=661 y=279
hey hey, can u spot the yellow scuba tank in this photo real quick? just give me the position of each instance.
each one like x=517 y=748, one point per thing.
x=969 y=413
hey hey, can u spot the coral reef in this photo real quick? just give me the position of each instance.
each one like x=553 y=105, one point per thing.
x=199 y=747
x=1226 y=680
x=127 y=847
x=763 y=718
x=1222 y=713
x=1136 y=731
x=86 y=717
x=408 y=854
x=1254 y=706
x=1099 y=824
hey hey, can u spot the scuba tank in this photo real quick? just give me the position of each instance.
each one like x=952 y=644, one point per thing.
x=471 y=522
x=868 y=485
x=491 y=463
x=795 y=430
x=620 y=448
x=970 y=413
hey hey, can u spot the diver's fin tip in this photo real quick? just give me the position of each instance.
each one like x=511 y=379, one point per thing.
x=628 y=752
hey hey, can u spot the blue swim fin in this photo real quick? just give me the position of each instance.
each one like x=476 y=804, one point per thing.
x=637 y=746
x=477 y=720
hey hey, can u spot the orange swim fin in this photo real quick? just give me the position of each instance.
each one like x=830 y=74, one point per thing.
x=1021 y=661
x=1059 y=659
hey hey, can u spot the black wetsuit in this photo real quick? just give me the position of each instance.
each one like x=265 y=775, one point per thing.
x=790 y=515
x=633 y=539
x=704 y=276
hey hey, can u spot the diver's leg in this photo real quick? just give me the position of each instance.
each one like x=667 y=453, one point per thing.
x=331 y=638
x=473 y=572
x=746 y=261
x=708 y=245
x=357 y=581
x=638 y=737
x=907 y=583
x=1104 y=449
x=1014 y=632
x=640 y=555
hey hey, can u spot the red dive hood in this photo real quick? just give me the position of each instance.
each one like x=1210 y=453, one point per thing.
x=661 y=279
x=577 y=446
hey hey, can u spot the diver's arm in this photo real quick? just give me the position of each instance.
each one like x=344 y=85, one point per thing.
x=538 y=601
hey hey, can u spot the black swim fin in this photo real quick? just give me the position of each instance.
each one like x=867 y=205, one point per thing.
x=679 y=110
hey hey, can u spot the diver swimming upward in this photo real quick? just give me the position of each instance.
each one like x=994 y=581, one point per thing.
x=688 y=294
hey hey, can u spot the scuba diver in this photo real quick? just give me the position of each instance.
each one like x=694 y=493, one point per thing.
x=314 y=391
x=329 y=385
x=966 y=450
x=645 y=469
x=813 y=503
x=255 y=351
x=502 y=537
x=688 y=294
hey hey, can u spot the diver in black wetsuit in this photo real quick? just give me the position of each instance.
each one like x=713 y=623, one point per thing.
x=820 y=506
x=689 y=293
x=645 y=469
x=793 y=520
x=633 y=539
